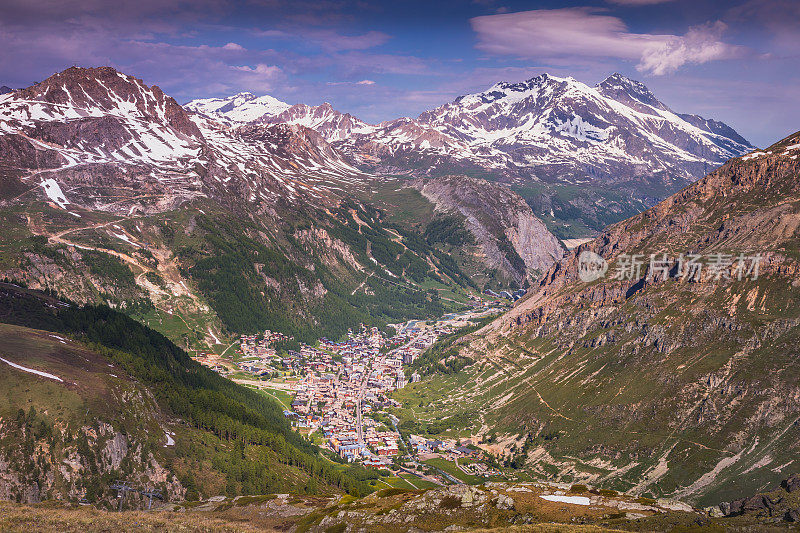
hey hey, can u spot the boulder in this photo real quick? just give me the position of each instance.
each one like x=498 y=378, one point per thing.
x=753 y=504
x=792 y=483
x=504 y=502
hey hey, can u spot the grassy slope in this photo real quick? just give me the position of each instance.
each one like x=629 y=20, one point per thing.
x=205 y=267
x=235 y=440
x=628 y=401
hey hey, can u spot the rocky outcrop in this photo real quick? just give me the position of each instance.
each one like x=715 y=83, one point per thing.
x=510 y=236
x=70 y=466
x=775 y=506
x=792 y=483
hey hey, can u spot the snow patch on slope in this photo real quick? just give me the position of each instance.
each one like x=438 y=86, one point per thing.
x=577 y=500
x=54 y=192
x=31 y=370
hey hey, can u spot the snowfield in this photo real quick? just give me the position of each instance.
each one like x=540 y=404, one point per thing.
x=577 y=500
x=53 y=191
x=31 y=371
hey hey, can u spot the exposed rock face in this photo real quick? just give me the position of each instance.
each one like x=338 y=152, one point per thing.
x=65 y=465
x=512 y=239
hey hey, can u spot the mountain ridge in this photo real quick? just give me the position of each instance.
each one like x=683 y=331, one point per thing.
x=475 y=125
x=581 y=156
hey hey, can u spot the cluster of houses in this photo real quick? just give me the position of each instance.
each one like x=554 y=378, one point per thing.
x=508 y=295
x=423 y=446
x=258 y=354
x=261 y=345
x=453 y=450
x=340 y=387
x=343 y=383
x=377 y=449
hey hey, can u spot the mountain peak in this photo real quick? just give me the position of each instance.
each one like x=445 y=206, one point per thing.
x=240 y=107
x=102 y=91
x=626 y=90
x=618 y=79
x=511 y=92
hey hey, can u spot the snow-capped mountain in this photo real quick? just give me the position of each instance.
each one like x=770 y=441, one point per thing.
x=561 y=129
x=546 y=128
x=104 y=140
x=331 y=124
x=242 y=107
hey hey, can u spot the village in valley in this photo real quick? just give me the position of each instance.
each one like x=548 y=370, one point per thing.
x=338 y=393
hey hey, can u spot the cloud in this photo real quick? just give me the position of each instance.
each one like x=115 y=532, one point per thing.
x=701 y=44
x=357 y=64
x=777 y=18
x=233 y=46
x=335 y=42
x=362 y=82
x=164 y=13
x=583 y=32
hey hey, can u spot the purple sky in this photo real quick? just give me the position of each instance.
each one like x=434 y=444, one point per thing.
x=737 y=61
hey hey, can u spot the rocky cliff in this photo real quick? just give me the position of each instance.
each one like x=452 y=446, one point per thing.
x=78 y=425
x=510 y=237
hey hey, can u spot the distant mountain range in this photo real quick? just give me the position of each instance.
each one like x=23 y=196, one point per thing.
x=544 y=129
x=100 y=121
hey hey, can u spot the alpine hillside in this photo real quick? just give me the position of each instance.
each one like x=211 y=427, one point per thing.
x=92 y=397
x=510 y=238
x=658 y=380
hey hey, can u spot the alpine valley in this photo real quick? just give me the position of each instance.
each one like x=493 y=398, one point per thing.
x=269 y=316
